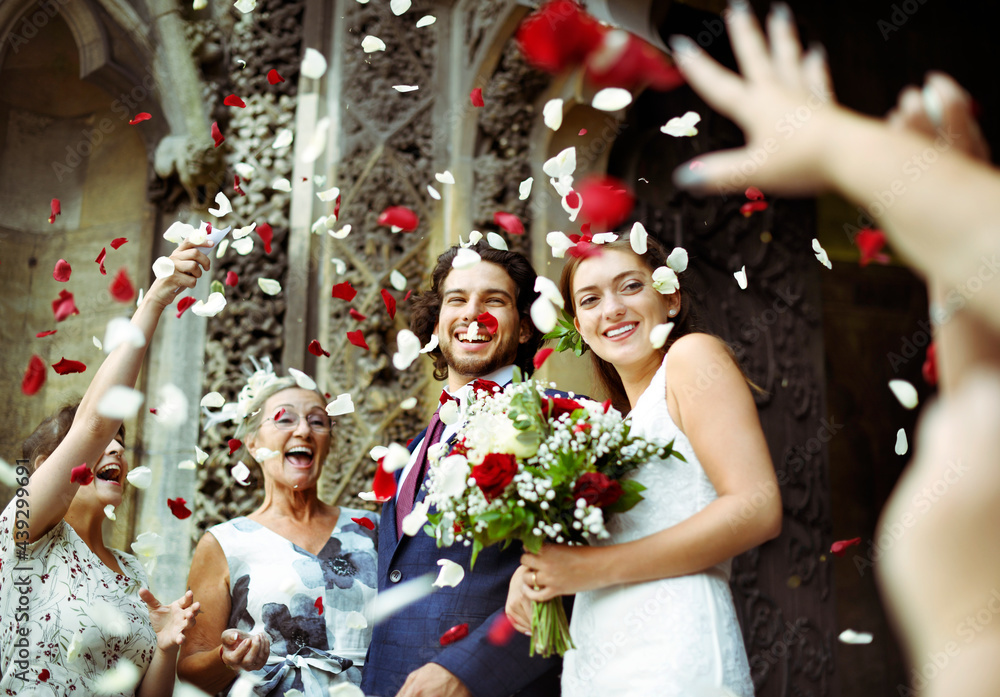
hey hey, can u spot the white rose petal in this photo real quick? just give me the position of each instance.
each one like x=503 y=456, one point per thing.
x=451 y=574
x=149 y=544
x=433 y=193
x=213 y=400
x=445 y=177
x=407 y=349
x=341 y=233
x=329 y=195
x=125 y=675
x=426 y=21
x=339 y=265
x=741 y=277
x=561 y=165
x=398 y=7
x=109 y=511
x=396 y=457
x=178 y=232
x=163 y=267
x=245 y=6
x=370 y=44
x=354 y=620
x=821 y=254
x=140 y=477
x=849 y=636
x=494 y=240
x=317 y=142
x=120 y=402
x=283 y=139
x=549 y=290
x=465 y=259
x=223 y=246
x=430 y=345
x=604 y=237
x=559 y=243
x=241 y=473
x=678 y=259
x=452 y=476
x=389 y=602
x=682 y=126
x=474 y=237
x=901 y=445
x=397 y=280
x=244 y=170
x=612 y=99
x=186 y=465
x=658 y=334
x=224 y=206
x=416 y=519
x=408 y=403
x=543 y=315
x=343 y=404
x=302 y=380
x=406 y=88
x=638 y=238
x=905 y=393
x=121 y=331
x=172 y=406
x=665 y=280
x=216 y=302
x=241 y=232
x=377 y=452
x=200 y=455
x=573 y=212
x=367 y=496
x=552 y=113
x=313 y=64
x=281 y=184
x=261 y=454
x=269 y=286
x=449 y=413
x=524 y=188
x=98 y=345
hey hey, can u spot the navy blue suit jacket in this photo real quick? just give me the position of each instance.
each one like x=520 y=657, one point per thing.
x=411 y=638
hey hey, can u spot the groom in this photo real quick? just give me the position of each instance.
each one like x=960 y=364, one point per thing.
x=406 y=657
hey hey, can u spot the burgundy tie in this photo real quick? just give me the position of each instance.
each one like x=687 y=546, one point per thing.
x=407 y=494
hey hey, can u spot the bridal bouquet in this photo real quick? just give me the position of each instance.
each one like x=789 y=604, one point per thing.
x=533 y=467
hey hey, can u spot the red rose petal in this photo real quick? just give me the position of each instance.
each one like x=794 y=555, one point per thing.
x=278 y=414
x=560 y=34
x=606 y=405
x=233 y=100
x=606 y=201
x=364 y=522
x=217 y=134
x=407 y=296
x=100 y=261
x=152 y=410
x=266 y=235
x=390 y=303
x=631 y=65
x=234 y=445
x=754 y=194
x=34 y=376
x=54 y=210
x=929 y=368
x=344 y=291
x=509 y=222
x=64 y=306
x=459 y=631
x=121 y=288
x=319 y=605
x=236 y=185
x=317 y=350
x=870 y=244
x=584 y=249
x=65 y=367
x=384 y=486
x=401 y=217
x=488 y=322
x=118 y=242
x=62 y=271
x=81 y=475
x=356 y=315
x=541 y=356
x=477 y=97
x=583 y=132
x=839 y=548
x=232 y=279
x=140 y=117
x=357 y=339
x=585 y=230
x=50 y=332
x=501 y=631
x=273 y=77
x=178 y=507
x=183 y=304
x=751 y=207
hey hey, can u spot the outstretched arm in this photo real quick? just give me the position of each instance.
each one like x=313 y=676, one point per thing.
x=50 y=489
x=169 y=622
x=800 y=141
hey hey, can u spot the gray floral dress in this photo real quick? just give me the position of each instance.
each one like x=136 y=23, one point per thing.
x=313 y=607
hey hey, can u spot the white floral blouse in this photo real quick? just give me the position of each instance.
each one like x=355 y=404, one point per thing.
x=65 y=617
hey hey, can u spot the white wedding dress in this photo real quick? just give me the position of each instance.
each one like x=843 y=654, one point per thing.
x=676 y=637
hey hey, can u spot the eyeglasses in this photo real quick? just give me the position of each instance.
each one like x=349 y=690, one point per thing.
x=289 y=420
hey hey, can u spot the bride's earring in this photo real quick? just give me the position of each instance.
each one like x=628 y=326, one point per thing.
x=672 y=313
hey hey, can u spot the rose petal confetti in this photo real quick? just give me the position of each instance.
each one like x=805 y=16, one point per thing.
x=55 y=208
x=388 y=603
x=365 y=523
x=426 y=21
x=283 y=139
x=449 y=413
x=405 y=88
x=262 y=454
x=741 y=277
x=67 y=367
x=901 y=445
x=390 y=303
x=665 y=280
x=242 y=247
x=217 y=134
x=344 y=291
x=233 y=100
x=611 y=99
x=398 y=7
x=121 y=287
x=929 y=368
x=905 y=392
x=183 y=304
x=751 y=207
x=445 y=177
x=604 y=238
x=465 y=259
x=456 y=633
x=213 y=400
x=245 y=6
x=870 y=244
x=357 y=339
x=313 y=64
x=682 y=126
x=371 y=44
x=397 y=280
x=509 y=222
x=100 y=261
x=356 y=315
x=678 y=260
x=849 y=636
x=273 y=77
x=316 y=349
x=343 y=404
x=302 y=380
x=408 y=347
x=210 y=308
x=178 y=507
x=494 y=240
x=241 y=473
x=821 y=254
x=109 y=512
x=658 y=334
x=50 y=332
x=62 y=271
x=232 y=279
x=501 y=630
x=97 y=343
x=139 y=118
x=559 y=243
x=839 y=548
x=124 y=676
x=81 y=475
x=269 y=285
x=430 y=345
x=224 y=206
x=163 y=267
x=524 y=188
x=121 y=331
x=476 y=96
x=451 y=574
x=399 y=217
x=140 y=477
x=552 y=113
x=607 y=201
x=120 y=402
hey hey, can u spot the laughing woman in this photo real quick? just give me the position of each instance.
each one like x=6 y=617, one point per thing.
x=73 y=609
x=284 y=588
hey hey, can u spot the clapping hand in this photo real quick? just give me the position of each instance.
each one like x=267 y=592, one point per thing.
x=246 y=651
x=170 y=621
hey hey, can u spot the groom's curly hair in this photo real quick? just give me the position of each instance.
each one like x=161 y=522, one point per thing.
x=426 y=307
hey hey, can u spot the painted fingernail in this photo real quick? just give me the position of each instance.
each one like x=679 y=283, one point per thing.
x=780 y=10
x=683 y=45
x=933 y=106
x=740 y=6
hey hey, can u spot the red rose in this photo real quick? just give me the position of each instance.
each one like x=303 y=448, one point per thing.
x=494 y=474
x=486 y=386
x=597 y=489
x=554 y=407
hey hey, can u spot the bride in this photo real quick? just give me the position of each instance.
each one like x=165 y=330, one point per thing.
x=653 y=613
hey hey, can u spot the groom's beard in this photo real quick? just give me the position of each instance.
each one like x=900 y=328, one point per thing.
x=503 y=354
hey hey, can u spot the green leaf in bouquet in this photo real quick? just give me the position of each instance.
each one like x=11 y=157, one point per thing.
x=631 y=495
x=674 y=453
x=477 y=547
x=529 y=439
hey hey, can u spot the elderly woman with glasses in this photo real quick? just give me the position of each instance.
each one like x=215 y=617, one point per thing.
x=283 y=590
